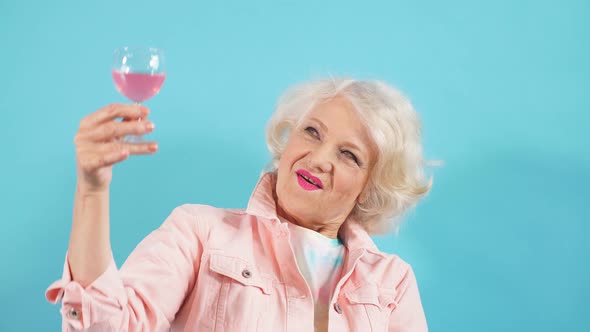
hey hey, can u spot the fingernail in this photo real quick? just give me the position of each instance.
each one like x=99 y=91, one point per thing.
x=150 y=126
x=153 y=147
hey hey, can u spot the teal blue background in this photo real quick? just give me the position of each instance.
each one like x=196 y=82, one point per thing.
x=502 y=88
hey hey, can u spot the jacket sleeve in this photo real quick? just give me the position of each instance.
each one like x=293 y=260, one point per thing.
x=146 y=293
x=408 y=316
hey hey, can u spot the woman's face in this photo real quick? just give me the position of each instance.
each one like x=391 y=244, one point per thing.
x=324 y=167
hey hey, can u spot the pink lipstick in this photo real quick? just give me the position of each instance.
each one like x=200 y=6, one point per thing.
x=308 y=181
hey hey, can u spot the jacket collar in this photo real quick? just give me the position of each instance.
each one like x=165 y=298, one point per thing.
x=262 y=203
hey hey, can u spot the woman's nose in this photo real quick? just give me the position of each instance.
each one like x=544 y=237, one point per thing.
x=321 y=160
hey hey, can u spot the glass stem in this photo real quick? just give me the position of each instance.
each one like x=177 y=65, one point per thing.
x=135 y=138
x=138 y=106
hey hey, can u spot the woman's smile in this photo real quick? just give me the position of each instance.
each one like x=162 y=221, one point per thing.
x=308 y=181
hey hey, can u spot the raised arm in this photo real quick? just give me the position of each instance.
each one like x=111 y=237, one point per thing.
x=146 y=293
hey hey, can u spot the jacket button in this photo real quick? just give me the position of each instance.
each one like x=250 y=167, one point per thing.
x=73 y=314
x=337 y=308
x=246 y=273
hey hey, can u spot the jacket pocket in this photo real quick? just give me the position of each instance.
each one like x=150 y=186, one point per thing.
x=240 y=271
x=373 y=302
x=243 y=293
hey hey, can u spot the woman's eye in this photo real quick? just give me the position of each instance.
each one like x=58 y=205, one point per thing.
x=351 y=156
x=312 y=131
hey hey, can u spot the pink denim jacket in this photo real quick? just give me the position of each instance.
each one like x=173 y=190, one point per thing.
x=211 y=269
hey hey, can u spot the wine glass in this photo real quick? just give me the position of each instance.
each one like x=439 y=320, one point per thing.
x=139 y=73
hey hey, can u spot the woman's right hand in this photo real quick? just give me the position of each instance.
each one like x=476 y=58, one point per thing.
x=99 y=146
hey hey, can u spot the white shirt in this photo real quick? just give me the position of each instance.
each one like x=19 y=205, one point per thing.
x=319 y=259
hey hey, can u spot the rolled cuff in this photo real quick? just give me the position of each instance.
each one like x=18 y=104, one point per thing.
x=83 y=307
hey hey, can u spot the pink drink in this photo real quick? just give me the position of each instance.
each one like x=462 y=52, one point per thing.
x=138 y=86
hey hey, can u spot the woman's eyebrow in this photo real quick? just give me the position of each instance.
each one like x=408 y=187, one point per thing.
x=324 y=128
x=353 y=146
x=361 y=153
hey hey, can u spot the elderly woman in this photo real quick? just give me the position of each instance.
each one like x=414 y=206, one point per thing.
x=347 y=163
